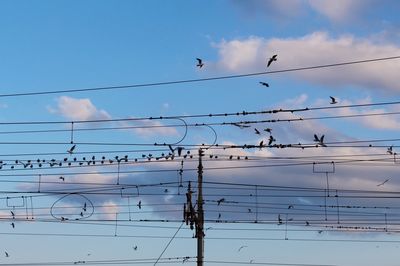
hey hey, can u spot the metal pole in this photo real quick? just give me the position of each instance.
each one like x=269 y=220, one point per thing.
x=200 y=212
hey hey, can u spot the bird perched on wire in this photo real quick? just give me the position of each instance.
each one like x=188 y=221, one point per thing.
x=333 y=100
x=199 y=63
x=264 y=84
x=272 y=59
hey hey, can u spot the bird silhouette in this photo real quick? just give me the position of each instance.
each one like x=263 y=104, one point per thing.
x=71 y=150
x=264 y=84
x=333 y=100
x=12 y=214
x=140 y=204
x=13 y=225
x=270 y=140
x=390 y=150
x=135 y=248
x=279 y=219
x=199 y=63
x=307 y=223
x=257 y=131
x=220 y=201
x=62 y=178
x=384 y=182
x=290 y=207
x=84 y=207
x=320 y=140
x=269 y=130
x=272 y=59
x=7 y=255
x=261 y=144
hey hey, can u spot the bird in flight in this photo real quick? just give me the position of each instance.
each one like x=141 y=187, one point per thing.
x=62 y=178
x=7 y=255
x=140 y=204
x=12 y=214
x=271 y=139
x=13 y=225
x=384 y=182
x=272 y=59
x=319 y=140
x=135 y=248
x=199 y=63
x=71 y=150
x=220 y=201
x=242 y=247
x=257 y=131
x=264 y=84
x=333 y=100
x=390 y=150
x=269 y=130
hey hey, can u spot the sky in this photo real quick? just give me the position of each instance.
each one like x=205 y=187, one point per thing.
x=85 y=83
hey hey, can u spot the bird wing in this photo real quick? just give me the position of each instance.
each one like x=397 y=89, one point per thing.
x=316 y=137
x=199 y=60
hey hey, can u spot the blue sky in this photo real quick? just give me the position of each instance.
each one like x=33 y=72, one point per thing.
x=63 y=45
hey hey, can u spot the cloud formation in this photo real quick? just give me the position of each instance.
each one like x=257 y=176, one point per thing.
x=248 y=55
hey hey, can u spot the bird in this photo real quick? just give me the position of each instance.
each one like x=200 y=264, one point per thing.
x=264 y=83
x=179 y=149
x=219 y=216
x=199 y=63
x=71 y=150
x=333 y=100
x=270 y=140
x=242 y=247
x=269 y=130
x=249 y=210
x=140 y=204
x=390 y=150
x=279 y=219
x=261 y=144
x=384 y=182
x=166 y=190
x=307 y=223
x=7 y=255
x=13 y=225
x=220 y=201
x=319 y=140
x=272 y=59
x=62 y=178
x=257 y=131
x=84 y=207
x=290 y=207
x=135 y=248
x=12 y=214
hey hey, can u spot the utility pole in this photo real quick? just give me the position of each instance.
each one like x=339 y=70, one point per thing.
x=193 y=218
x=200 y=212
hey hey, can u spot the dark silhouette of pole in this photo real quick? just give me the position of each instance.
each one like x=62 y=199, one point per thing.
x=200 y=212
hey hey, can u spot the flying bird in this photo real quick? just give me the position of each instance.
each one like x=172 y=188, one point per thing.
x=272 y=59
x=269 y=130
x=384 y=182
x=264 y=84
x=333 y=100
x=257 y=131
x=71 y=150
x=271 y=139
x=12 y=214
x=220 y=201
x=390 y=150
x=199 y=63
x=7 y=255
x=140 y=204
x=135 y=248
x=62 y=178
x=319 y=140
x=242 y=247
x=13 y=225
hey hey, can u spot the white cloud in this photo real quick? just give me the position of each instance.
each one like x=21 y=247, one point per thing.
x=78 y=109
x=339 y=10
x=315 y=49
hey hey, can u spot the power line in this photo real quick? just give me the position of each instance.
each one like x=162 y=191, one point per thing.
x=187 y=81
